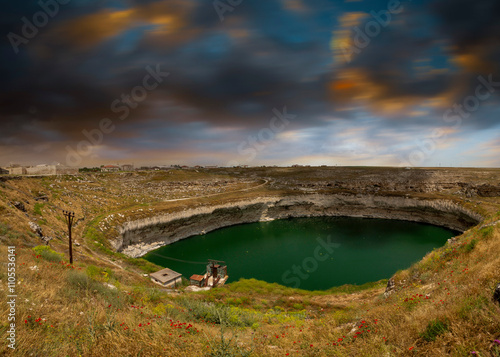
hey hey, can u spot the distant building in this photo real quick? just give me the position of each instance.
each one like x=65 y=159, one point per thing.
x=216 y=275
x=44 y=170
x=166 y=278
x=198 y=280
x=17 y=170
x=3 y=171
x=127 y=167
x=110 y=168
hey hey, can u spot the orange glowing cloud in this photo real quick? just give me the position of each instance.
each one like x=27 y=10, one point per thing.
x=357 y=85
x=89 y=30
x=342 y=36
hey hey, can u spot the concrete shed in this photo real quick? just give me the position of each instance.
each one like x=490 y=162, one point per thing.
x=166 y=278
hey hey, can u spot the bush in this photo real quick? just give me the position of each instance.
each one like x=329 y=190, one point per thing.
x=471 y=305
x=470 y=246
x=37 y=209
x=4 y=228
x=48 y=254
x=434 y=329
x=218 y=314
x=487 y=232
x=81 y=282
x=100 y=274
x=223 y=346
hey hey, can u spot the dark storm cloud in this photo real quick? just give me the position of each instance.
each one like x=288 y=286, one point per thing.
x=231 y=74
x=470 y=23
x=71 y=90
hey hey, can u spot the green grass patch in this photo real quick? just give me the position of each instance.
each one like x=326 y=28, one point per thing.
x=487 y=232
x=81 y=284
x=471 y=305
x=37 y=209
x=48 y=254
x=434 y=329
x=99 y=274
x=470 y=246
x=218 y=313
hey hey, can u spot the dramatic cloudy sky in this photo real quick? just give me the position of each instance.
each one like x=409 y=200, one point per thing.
x=256 y=82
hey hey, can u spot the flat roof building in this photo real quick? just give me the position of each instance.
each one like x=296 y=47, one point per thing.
x=166 y=278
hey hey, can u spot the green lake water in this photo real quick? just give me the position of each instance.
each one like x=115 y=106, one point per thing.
x=308 y=253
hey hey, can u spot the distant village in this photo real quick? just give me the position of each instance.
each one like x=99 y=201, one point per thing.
x=58 y=169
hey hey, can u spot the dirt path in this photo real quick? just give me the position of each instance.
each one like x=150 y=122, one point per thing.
x=217 y=194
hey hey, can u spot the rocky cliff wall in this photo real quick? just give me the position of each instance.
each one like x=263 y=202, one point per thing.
x=139 y=237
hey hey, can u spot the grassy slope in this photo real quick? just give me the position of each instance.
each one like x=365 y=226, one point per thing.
x=102 y=305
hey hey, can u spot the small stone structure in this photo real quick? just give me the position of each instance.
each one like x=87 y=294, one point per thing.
x=197 y=280
x=166 y=278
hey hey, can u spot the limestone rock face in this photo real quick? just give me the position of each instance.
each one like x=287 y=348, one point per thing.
x=138 y=237
x=496 y=294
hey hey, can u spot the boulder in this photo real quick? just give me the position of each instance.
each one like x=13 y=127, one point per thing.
x=496 y=294
x=391 y=285
x=37 y=229
x=19 y=206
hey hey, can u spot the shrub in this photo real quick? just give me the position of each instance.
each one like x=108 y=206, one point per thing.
x=48 y=254
x=100 y=274
x=487 y=232
x=218 y=314
x=37 y=209
x=471 y=305
x=470 y=246
x=434 y=328
x=81 y=282
x=4 y=228
x=226 y=347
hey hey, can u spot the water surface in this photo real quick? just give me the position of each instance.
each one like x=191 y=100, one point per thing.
x=310 y=253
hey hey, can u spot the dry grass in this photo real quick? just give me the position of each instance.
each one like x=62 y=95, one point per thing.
x=103 y=306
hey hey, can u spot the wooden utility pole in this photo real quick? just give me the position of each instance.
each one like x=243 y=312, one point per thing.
x=70 y=216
